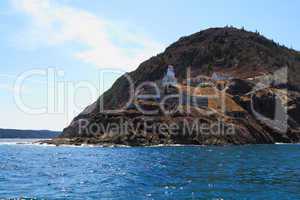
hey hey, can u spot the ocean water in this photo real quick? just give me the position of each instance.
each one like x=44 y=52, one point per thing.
x=182 y=172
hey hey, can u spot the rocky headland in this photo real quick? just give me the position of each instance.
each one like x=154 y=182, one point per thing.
x=232 y=87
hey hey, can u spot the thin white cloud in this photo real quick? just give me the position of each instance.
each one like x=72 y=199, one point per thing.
x=10 y=88
x=6 y=87
x=15 y=77
x=54 y=23
x=7 y=76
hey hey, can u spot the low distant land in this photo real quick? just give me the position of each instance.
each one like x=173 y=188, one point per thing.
x=26 y=134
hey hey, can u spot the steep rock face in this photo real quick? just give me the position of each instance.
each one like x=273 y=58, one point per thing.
x=240 y=87
x=265 y=102
x=242 y=54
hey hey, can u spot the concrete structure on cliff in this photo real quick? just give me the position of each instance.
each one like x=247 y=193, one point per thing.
x=170 y=78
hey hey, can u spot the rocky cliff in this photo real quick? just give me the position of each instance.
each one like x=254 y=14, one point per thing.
x=264 y=81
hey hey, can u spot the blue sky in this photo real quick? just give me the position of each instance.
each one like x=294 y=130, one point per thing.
x=83 y=39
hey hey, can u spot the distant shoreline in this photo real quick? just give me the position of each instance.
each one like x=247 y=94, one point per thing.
x=44 y=143
x=27 y=134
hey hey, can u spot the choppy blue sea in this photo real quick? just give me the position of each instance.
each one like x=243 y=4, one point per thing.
x=232 y=172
